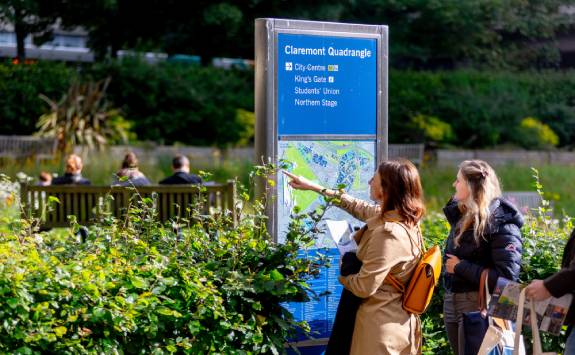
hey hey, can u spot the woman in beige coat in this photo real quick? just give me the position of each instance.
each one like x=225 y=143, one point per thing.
x=389 y=243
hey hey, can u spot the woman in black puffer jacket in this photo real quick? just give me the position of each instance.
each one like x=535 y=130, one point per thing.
x=485 y=233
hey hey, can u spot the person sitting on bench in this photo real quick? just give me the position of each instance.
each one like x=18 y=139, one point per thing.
x=73 y=174
x=130 y=174
x=181 y=176
x=44 y=179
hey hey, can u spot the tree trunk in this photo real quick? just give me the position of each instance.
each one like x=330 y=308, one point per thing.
x=21 y=34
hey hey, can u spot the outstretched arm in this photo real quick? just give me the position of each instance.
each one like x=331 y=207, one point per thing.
x=360 y=209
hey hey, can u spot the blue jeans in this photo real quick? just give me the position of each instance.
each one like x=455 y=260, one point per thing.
x=570 y=345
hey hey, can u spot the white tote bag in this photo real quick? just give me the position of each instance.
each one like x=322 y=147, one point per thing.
x=537 y=349
x=499 y=338
x=500 y=341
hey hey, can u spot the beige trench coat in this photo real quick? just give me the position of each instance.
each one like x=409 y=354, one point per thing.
x=381 y=324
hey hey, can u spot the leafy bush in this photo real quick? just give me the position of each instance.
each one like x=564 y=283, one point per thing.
x=136 y=286
x=83 y=116
x=20 y=87
x=432 y=129
x=483 y=108
x=532 y=134
x=168 y=102
x=173 y=102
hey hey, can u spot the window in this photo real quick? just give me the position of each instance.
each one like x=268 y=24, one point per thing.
x=68 y=41
x=7 y=38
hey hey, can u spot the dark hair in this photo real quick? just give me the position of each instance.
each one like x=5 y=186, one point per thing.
x=402 y=189
x=45 y=176
x=130 y=161
x=179 y=161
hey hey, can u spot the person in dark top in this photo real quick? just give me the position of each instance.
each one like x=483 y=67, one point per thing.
x=181 y=176
x=73 y=173
x=485 y=233
x=130 y=171
x=44 y=179
x=557 y=285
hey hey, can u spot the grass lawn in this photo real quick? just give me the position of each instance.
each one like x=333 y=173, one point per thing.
x=557 y=180
x=102 y=173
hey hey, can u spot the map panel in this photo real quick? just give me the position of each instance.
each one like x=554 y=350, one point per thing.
x=329 y=163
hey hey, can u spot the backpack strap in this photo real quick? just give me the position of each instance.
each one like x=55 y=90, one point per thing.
x=394 y=281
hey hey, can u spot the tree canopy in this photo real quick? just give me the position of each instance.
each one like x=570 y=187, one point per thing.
x=423 y=33
x=29 y=17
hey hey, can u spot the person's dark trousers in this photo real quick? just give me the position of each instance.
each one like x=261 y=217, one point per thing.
x=454 y=305
x=342 y=331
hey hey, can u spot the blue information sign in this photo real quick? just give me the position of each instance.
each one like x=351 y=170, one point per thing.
x=326 y=292
x=321 y=99
x=326 y=85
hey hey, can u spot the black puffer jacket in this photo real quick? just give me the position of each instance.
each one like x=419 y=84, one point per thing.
x=499 y=249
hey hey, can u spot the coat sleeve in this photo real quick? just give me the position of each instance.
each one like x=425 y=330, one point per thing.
x=381 y=255
x=360 y=209
x=505 y=248
x=562 y=282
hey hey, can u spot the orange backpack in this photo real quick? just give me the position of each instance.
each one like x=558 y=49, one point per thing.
x=417 y=295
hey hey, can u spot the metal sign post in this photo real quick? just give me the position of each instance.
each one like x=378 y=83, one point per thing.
x=321 y=107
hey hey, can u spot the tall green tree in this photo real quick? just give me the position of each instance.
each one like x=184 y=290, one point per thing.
x=207 y=28
x=29 y=17
x=447 y=33
x=423 y=33
x=108 y=22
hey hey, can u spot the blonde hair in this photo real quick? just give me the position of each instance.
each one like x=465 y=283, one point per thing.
x=483 y=186
x=73 y=164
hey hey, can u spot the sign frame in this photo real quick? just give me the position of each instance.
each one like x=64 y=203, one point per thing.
x=266 y=90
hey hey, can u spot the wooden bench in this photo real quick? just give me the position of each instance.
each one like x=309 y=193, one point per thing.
x=18 y=147
x=412 y=152
x=92 y=203
x=525 y=201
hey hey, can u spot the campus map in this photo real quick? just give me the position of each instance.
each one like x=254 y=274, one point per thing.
x=330 y=163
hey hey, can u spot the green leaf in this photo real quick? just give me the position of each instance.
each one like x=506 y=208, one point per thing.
x=139 y=282
x=60 y=331
x=168 y=312
x=276 y=275
x=12 y=302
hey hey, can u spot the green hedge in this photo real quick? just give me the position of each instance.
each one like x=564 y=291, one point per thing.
x=173 y=102
x=20 y=86
x=191 y=104
x=483 y=108
x=168 y=102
